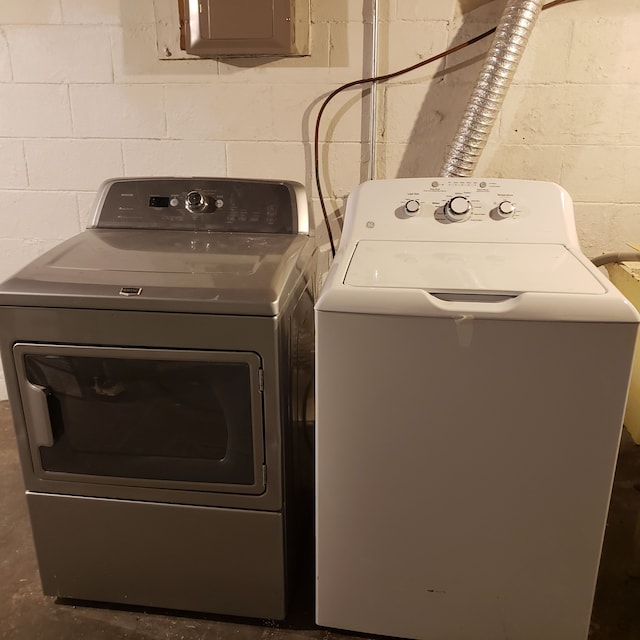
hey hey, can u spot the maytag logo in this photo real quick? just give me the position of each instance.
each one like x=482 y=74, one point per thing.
x=130 y=291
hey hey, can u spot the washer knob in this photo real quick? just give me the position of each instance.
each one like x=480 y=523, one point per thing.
x=195 y=202
x=458 y=209
x=506 y=209
x=411 y=207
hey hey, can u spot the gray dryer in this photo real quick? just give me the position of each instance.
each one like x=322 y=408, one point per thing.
x=158 y=365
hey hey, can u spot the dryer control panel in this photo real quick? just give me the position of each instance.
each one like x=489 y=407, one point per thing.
x=202 y=204
x=460 y=210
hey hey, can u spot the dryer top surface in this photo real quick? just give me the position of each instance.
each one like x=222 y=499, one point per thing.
x=234 y=273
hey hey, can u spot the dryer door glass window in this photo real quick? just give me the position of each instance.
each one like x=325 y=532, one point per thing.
x=146 y=415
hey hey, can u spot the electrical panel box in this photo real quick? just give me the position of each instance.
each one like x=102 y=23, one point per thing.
x=215 y=28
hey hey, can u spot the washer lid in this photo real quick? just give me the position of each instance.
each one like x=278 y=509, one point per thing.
x=200 y=272
x=487 y=268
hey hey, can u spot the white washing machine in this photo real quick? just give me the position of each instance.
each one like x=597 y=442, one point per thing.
x=472 y=372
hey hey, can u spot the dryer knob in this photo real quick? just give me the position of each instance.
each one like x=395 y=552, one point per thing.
x=195 y=202
x=458 y=209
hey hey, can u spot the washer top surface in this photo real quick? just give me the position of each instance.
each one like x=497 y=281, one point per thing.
x=476 y=268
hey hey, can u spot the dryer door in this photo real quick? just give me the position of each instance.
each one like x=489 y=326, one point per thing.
x=176 y=419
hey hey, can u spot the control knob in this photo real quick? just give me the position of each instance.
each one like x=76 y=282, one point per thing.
x=411 y=207
x=506 y=209
x=195 y=202
x=458 y=209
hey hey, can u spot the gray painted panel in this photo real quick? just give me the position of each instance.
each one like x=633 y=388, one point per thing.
x=160 y=555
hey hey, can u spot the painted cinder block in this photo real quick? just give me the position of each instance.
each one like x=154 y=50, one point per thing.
x=30 y=12
x=232 y=112
x=580 y=114
x=85 y=200
x=345 y=167
x=107 y=12
x=539 y=162
x=542 y=63
x=605 y=48
x=301 y=103
x=432 y=10
x=14 y=168
x=602 y=173
x=415 y=113
x=404 y=43
x=53 y=213
x=525 y=117
x=340 y=10
x=61 y=53
x=72 y=165
x=629 y=129
x=343 y=119
x=277 y=160
x=6 y=74
x=117 y=111
x=174 y=158
x=345 y=52
x=594 y=229
x=34 y=111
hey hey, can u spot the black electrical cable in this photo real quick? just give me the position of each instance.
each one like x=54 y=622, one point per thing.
x=382 y=78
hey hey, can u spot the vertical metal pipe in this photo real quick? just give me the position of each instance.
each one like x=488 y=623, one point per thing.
x=512 y=34
x=373 y=92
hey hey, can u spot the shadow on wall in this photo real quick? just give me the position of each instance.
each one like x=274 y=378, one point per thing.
x=440 y=114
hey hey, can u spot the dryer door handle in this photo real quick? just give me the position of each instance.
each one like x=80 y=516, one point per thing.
x=38 y=421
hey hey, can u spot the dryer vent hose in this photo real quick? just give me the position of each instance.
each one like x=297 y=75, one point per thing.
x=512 y=34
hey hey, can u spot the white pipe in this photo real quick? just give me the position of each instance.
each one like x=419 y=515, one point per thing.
x=373 y=93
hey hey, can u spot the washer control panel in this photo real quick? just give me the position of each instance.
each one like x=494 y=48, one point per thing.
x=465 y=209
x=201 y=204
x=454 y=201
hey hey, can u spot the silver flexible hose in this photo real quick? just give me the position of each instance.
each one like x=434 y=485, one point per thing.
x=512 y=34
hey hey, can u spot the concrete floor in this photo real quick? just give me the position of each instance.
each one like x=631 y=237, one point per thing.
x=25 y=614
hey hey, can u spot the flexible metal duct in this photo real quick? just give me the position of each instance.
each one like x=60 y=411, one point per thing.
x=506 y=50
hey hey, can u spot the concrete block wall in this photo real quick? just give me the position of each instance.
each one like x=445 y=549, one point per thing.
x=84 y=96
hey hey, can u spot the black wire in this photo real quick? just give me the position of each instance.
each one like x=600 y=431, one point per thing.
x=382 y=78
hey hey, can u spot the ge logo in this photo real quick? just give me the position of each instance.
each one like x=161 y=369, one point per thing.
x=370 y=224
